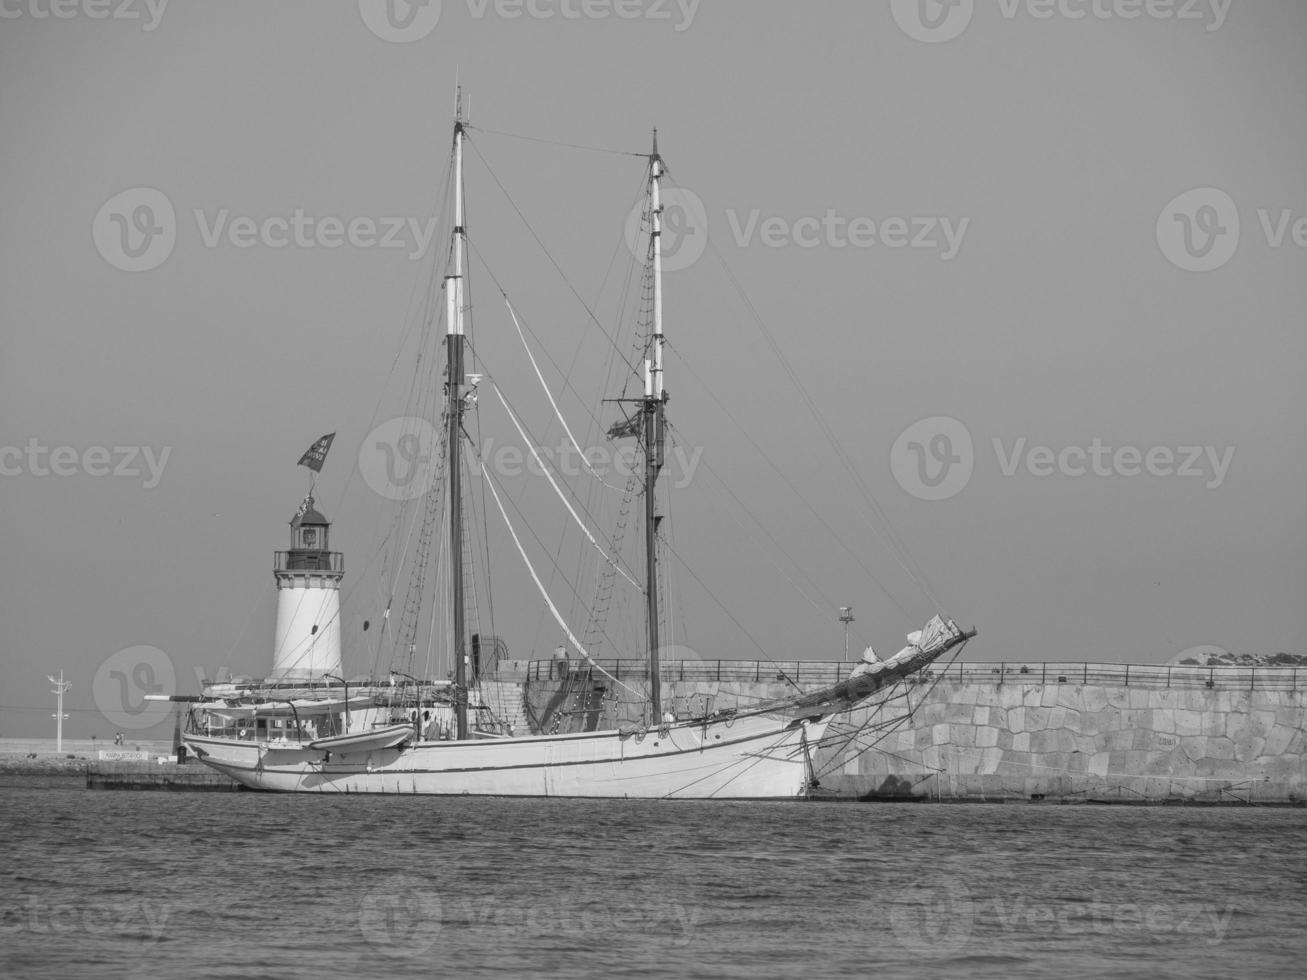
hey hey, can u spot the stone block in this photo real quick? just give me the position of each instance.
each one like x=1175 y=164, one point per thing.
x=980 y=715
x=1094 y=699
x=1118 y=740
x=1194 y=747
x=1248 y=746
x=1157 y=764
x=1012 y=769
x=1096 y=722
x=1289 y=717
x=986 y=737
x=1021 y=742
x=1279 y=739
x=1098 y=764
x=991 y=696
x=1044 y=741
x=1016 y=719
x=1214 y=722
x=1260 y=722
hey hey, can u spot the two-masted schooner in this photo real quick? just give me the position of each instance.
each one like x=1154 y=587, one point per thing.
x=334 y=745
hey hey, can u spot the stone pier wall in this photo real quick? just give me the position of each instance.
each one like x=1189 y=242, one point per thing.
x=1053 y=732
x=1077 y=742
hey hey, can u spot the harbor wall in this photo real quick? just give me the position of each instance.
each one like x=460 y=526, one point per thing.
x=1005 y=732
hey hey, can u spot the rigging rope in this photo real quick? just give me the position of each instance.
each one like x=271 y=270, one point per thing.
x=558 y=617
x=839 y=539
x=530 y=445
x=883 y=530
x=548 y=394
x=550 y=257
x=541 y=139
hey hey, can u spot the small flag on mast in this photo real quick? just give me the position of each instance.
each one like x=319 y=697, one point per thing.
x=316 y=454
x=626 y=428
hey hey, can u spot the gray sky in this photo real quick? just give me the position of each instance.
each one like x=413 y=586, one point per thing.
x=1049 y=286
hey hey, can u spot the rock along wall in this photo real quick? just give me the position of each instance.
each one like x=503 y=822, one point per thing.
x=1036 y=735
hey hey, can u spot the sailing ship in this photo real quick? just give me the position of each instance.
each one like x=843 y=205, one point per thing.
x=441 y=739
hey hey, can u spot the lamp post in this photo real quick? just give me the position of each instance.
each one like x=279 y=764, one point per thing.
x=61 y=687
x=846 y=617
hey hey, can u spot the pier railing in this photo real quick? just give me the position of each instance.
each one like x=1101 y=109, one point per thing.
x=816 y=673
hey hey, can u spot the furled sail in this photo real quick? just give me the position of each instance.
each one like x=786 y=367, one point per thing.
x=924 y=647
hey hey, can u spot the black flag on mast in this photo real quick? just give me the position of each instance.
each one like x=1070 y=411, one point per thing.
x=626 y=428
x=316 y=454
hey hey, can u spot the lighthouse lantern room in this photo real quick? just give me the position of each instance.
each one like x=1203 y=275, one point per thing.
x=307 y=643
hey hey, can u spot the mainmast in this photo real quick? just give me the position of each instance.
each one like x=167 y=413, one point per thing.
x=454 y=403
x=654 y=401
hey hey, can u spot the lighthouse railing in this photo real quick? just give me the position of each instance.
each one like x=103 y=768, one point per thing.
x=309 y=561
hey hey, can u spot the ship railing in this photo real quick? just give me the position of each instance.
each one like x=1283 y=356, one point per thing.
x=817 y=673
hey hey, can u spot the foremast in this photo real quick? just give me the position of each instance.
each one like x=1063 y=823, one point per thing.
x=653 y=407
x=454 y=411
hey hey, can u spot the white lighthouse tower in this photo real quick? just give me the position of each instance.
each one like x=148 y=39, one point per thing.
x=307 y=642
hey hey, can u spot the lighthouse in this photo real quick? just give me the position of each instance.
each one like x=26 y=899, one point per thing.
x=307 y=642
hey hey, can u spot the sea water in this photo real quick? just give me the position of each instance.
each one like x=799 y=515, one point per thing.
x=123 y=884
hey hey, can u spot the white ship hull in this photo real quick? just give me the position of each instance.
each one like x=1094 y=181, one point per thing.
x=756 y=757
